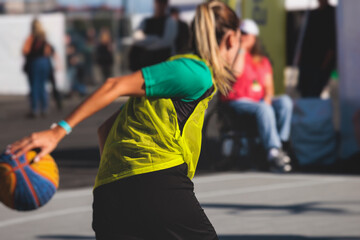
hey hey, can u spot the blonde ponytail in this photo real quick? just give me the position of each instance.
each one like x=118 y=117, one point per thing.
x=207 y=44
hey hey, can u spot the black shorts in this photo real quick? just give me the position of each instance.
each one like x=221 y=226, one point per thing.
x=158 y=205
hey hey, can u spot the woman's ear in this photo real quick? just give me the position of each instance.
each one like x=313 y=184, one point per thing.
x=229 y=40
x=230 y=44
x=232 y=39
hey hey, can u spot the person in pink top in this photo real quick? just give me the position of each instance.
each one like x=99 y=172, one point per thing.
x=253 y=94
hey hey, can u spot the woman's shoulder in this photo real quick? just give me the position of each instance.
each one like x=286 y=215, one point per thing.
x=183 y=77
x=262 y=60
x=266 y=64
x=193 y=66
x=191 y=61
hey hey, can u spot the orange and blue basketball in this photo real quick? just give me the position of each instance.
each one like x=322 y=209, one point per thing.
x=27 y=185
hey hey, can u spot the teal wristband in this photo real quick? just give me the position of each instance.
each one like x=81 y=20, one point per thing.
x=65 y=126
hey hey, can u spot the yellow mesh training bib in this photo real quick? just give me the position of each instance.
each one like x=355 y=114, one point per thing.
x=145 y=137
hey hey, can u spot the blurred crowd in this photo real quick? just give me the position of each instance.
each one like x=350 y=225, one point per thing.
x=91 y=55
x=83 y=53
x=91 y=59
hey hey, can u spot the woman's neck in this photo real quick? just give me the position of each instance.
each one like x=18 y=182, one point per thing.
x=256 y=58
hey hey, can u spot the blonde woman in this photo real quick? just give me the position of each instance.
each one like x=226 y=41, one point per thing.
x=150 y=148
x=37 y=51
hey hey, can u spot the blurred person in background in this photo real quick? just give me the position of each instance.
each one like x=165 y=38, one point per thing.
x=37 y=52
x=74 y=68
x=318 y=54
x=104 y=54
x=253 y=94
x=182 y=41
x=53 y=61
x=2 y=7
x=143 y=189
x=154 y=38
x=89 y=54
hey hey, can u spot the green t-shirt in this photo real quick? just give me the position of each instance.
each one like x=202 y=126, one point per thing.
x=183 y=78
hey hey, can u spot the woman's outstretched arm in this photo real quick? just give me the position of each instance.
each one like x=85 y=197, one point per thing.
x=130 y=85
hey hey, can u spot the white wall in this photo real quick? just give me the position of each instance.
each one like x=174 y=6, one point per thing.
x=348 y=32
x=14 y=31
x=294 y=5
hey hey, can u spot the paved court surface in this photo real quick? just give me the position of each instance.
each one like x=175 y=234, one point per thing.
x=254 y=206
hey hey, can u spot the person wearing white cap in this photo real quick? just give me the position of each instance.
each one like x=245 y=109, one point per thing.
x=253 y=94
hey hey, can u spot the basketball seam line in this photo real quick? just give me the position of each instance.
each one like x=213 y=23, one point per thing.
x=27 y=180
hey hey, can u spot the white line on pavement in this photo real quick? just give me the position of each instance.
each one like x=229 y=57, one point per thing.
x=235 y=176
x=85 y=192
x=263 y=188
x=200 y=195
x=44 y=215
x=73 y=193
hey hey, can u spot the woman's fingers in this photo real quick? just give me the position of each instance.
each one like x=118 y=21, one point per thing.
x=46 y=141
x=23 y=150
x=17 y=144
x=42 y=153
x=17 y=147
x=26 y=144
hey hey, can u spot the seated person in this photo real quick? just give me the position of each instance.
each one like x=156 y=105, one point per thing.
x=253 y=94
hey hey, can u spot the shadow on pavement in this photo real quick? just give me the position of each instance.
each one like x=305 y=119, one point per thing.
x=67 y=237
x=281 y=237
x=221 y=237
x=77 y=166
x=77 y=157
x=310 y=207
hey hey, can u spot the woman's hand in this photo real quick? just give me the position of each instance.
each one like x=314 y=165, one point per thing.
x=268 y=100
x=46 y=140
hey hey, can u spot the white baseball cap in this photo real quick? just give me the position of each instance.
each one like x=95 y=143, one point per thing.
x=249 y=26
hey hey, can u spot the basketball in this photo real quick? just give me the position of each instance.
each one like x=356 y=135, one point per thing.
x=27 y=185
